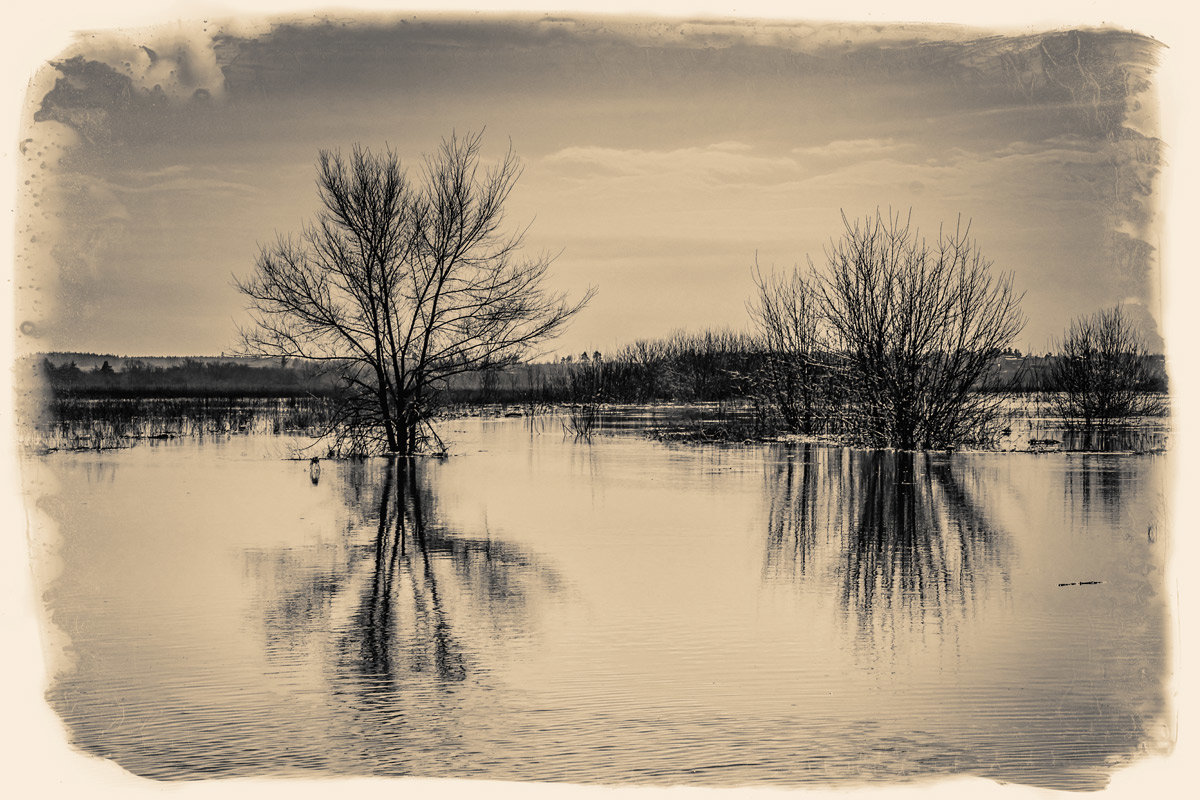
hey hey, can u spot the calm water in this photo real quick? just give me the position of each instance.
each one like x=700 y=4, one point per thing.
x=536 y=608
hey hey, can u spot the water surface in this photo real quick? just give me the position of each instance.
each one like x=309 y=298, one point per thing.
x=620 y=611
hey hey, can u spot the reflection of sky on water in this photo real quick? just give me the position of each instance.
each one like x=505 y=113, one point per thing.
x=538 y=608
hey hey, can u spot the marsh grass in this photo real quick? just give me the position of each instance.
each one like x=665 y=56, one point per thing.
x=581 y=420
x=108 y=424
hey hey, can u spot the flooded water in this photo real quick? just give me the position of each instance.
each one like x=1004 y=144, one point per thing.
x=535 y=607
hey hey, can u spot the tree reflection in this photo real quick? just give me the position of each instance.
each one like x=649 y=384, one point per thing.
x=401 y=601
x=795 y=515
x=402 y=557
x=431 y=590
x=1099 y=484
x=902 y=532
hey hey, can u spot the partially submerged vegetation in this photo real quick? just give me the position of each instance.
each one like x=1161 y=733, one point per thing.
x=1104 y=376
x=400 y=284
x=117 y=423
x=896 y=342
x=305 y=424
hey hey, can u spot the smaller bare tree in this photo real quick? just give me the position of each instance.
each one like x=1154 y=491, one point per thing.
x=1103 y=374
x=794 y=370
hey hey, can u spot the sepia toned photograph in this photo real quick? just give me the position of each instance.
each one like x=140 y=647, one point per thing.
x=636 y=401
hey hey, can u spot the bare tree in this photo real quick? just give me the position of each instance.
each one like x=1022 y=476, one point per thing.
x=788 y=321
x=1103 y=374
x=917 y=327
x=400 y=285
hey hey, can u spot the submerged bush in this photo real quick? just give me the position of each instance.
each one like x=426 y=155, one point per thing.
x=1104 y=374
x=891 y=342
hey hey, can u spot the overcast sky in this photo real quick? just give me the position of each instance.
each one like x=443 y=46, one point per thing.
x=661 y=158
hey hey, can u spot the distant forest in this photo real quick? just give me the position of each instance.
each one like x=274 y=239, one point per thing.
x=91 y=376
x=710 y=366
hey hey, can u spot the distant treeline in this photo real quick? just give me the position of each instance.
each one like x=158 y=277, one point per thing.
x=726 y=365
x=711 y=366
x=188 y=378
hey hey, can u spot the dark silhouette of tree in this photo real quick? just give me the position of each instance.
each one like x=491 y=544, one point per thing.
x=788 y=321
x=916 y=327
x=1104 y=374
x=398 y=285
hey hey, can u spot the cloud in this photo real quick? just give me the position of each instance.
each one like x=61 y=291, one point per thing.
x=151 y=174
x=111 y=87
x=731 y=147
x=843 y=149
x=178 y=179
x=724 y=163
x=1062 y=148
x=176 y=59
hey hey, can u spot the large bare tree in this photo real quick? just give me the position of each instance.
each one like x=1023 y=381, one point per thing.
x=917 y=327
x=399 y=284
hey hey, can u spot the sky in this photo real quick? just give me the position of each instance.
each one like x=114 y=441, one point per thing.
x=663 y=158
